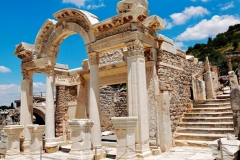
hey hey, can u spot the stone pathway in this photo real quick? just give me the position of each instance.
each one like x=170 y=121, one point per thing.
x=176 y=153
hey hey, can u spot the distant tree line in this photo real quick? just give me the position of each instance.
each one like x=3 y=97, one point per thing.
x=7 y=107
x=215 y=48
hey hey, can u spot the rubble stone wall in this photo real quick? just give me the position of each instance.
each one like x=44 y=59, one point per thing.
x=64 y=94
x=113 y=103
x=175 y=76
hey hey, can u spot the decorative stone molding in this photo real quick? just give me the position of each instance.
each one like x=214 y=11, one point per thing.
x=110 y=58
x=93 y=59
x=13 y=133
x=25 y=51
x=135 y=48
x=154 y=22
x=49 y=69
x=80 y=139
x=125 y=132
x=67 y=80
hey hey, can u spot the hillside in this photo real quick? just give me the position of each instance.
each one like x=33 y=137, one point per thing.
x=215 y=48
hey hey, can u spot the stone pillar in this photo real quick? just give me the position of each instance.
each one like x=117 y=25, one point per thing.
x=137 y=95
x=13 y=133
x=233 y=81
x=27 y=109
x=210 y=94
x=36 y=138
x=50 y=144
x=94 y=101
x=80 y=139
x=235 y=104
x=229 y=62
x=125 y=132
x=81 y=111
x=165 y=134
x=198 y=87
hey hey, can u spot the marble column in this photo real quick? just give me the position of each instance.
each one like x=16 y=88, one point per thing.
x=13 y=133
x=80 y=139
x=94 y=101
x=165 y=135
x=229 y=62
x=50 y=144
x=137 y=95
x=36 y=138
x=125 y=132
x=27 y=109
x=81 y=112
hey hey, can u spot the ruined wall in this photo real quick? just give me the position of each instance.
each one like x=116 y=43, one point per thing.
x=64 y=94
x=113 y=103
x=175 y=75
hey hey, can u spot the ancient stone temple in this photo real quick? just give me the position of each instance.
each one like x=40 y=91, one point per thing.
x=124 y=49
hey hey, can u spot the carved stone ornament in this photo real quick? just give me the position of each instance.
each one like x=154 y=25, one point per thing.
x=93 y=59
x=110 y=58
x=135 y=48
x=49 y=69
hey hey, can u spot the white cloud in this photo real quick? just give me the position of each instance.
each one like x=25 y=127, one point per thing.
x=11 y=92
x=208 y=28
x=4 y=69
x=179 y=45
x=94 y=6
x=168 y=25
x=228 y=6
x=83 y=4
x=201 y=0
x=78 y=3
x=188 y=13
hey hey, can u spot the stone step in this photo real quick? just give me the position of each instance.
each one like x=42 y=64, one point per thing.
x=207 y=119
x=203 y=137
x=213 y=101
x=206 y=124
x=213 y=109
x=212 y=105
x=205 y=130
x=209 y=114
x=191 y=143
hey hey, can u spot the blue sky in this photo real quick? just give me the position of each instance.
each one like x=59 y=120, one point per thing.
x=187 y=22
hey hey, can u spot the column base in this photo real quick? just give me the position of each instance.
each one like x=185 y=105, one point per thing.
x=99 y=155
x=80 y=155
x=156 y=151
x=143 y=152
x=51 y=147
x=26 y=147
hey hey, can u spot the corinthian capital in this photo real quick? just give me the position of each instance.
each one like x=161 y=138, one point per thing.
x=135 y=48
x=25 y=74
x=49 y=69
x=93 y=59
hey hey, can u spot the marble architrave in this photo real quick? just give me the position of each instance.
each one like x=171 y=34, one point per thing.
x=125 y=132
x=13 y=133
x=80 y=139
x=36 y=138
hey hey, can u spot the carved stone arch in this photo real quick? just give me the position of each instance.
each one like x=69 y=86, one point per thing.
x=40 y=112
x=70 y=21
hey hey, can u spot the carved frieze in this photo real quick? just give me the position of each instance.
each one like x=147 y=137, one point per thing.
x=67 y=80
x=110 y=58
x=135 y=48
